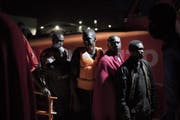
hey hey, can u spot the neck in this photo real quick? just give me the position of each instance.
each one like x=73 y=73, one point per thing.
x=91 y=51
x=113 y=53
x=134 y=59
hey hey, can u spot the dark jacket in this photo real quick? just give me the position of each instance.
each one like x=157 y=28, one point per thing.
x=135 y=88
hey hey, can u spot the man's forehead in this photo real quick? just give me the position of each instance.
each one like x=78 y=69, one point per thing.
x=89 y=34
x=89 y=37
x=59 y=37
x=140 y=45
x=116 y=39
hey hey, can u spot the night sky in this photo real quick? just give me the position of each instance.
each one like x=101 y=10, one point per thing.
x=107 y=11
x=65 y=9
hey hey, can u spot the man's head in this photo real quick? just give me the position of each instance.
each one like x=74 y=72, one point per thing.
x=162 y=20
x=114 y=43
x=57 y=39
x=89 y=38
x=136 y=49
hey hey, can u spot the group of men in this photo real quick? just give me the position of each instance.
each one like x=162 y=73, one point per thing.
x=104 y=86
x=99 y=85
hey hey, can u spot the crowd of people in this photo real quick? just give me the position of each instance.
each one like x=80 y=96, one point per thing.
x=90 y=83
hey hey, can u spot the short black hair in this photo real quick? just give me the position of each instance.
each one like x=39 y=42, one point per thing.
x=133 y=45
x=89 y=31
x=57 y=35
x=112 y=38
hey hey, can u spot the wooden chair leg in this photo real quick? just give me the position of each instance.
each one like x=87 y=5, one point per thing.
x=49 y=112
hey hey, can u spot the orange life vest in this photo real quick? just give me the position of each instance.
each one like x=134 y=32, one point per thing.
x=87 y=69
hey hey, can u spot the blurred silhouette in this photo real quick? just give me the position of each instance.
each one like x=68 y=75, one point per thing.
x=162 y=21
x=16 y=85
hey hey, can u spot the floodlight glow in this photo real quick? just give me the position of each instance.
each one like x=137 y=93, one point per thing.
x=95 y=21
x=80 y=22
x=109 y=26
x=57 y=27
x=42 y=27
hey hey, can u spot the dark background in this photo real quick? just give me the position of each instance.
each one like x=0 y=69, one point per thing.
x=69 y=10
x=107 y=11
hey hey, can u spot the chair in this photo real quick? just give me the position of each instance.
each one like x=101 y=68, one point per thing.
x=44 y=105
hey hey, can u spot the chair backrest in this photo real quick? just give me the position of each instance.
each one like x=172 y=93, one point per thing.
x=44 y=105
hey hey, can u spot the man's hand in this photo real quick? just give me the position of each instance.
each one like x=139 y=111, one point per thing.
x=45 y=91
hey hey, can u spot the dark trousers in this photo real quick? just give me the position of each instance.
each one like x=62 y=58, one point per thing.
x=85 y=100
x=141 y=116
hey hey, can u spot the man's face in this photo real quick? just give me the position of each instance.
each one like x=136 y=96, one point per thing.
x=138 y=53
x=57 y=40
x=115 y=44
x=89 y=40
x=57 y=43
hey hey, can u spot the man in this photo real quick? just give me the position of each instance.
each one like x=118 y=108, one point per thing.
x=135 y=86
x=162 y=21
x=83 y=64
x=55 y=63
x=104 y=100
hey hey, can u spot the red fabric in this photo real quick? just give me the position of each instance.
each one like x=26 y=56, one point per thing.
x=31 y=57
x=16 y=88
x=104 y=102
